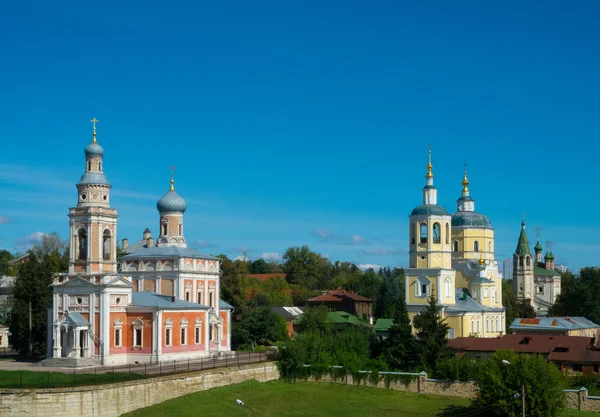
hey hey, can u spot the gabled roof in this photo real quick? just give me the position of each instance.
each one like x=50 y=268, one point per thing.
x=339 y=296
x=77 y=282
x=553 y=323
x=19 y=259
x=225 y=306
x=464 y=303
x=162 y=302
x=159 y=252
x=287 y=312
x=74 y=319
x=383 y=324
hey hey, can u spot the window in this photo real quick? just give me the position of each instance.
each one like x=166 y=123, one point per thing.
x=99 y=166
x=476 y=246
x=475 y=294
x=485 y=293
x=520 y=261
x=89 y=166
x=423 y=233
x=455 y=246
x=164 y=229
x=451 y=333
x=198 y=329
x=199 y=296
x=490 y=247
x=540 y=289
x=487 y=325
x=493 y=325
x=596 y=369
x=210 y=332
x=187 y=296
x=447 y=234
x=472 y=326
x=180 y=230
x=412 y=234
x=211 y=299
x=183 y=336
x=137 y=332
x=197 y=335
x=106 y=244
x=436 y=233
x=497 y=325
x=118 y=324
x=477 y=326
x=528 y=260
x=577 y=367
x=82 y=245
x=424 y=289
x=447 y=287
x=167 y=337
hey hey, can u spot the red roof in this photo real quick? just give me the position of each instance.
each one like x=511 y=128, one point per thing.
x=339 y=296
x=264 y=277
x=557 y=348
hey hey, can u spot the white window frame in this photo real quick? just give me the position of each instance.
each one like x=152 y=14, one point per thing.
x=211 y=301
x=198 y=331
x=169 y=327
x=447 y=283
x=183 y=332
x=450 y=333
x=472 y=325
x=485 y=292
x=138 y=325
x=118 y=327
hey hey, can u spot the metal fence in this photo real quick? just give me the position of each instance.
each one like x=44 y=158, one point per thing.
x=63 y=377
x=7 y=351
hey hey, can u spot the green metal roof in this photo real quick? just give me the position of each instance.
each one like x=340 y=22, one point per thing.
x=540 y=270
x=523 y=244
x=383 y=324
x=434 y=209
x=482 y=280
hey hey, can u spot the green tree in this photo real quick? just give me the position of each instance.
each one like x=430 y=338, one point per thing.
x=233 y=283
x=432 y=332
x=316 y=320
x=400 y=349
x=499 y=382
x=514 y=308
x=258 y=327
x=388 y=296
x=5 y=257
x=32 y=287
x=306 y=268
x=259 y=266
x=369 y=283
x=579 y=295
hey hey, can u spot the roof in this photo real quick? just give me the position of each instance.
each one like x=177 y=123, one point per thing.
x=224 y=305
x=341 y=317
x=167 y=252
x=171 y=202
x=136 y=246
x=264 y=277
x=557 y=348
x=93 y=149
x=434 y=209
x=464 y=303
x=383 y=324
x=75 y=319
x=163 y=302
x=553 y=323
x=481 y=280
x=523 y=243
x=19 y=259
x=287 y=312
x=339 y=296
x=539 y=269
x=470 y=219
x=93 y=178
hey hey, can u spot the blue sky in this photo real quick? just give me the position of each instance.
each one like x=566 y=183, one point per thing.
x=295 y=123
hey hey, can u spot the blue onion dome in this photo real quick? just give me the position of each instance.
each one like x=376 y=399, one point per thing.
x=94 y=149
x=429 y=209
x=171 y=202
x=470 y=219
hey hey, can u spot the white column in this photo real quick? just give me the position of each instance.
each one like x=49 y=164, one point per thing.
x=229 y=330
x=49 y=333
x=76 y=346
x=56 y=350
x=158 y=334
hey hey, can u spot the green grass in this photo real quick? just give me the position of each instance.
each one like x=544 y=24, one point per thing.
x=278 y=398
x=32 y=379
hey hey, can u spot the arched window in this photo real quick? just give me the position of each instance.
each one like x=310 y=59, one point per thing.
x=528 y=260
x=490 y=247
x=520 y=261
x=165 y=227
x=82 y=245
x=455 y=246
x=436 y=233
x=476 y=246
x=447 y=234
x=89 y=166
x=180 y=230
x=423 y=233
x=412 y=234
x=106 y=245
x=472 y=326
x=99 y=166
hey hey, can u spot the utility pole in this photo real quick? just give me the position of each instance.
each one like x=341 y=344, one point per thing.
x=30 y=341
x=523 y=398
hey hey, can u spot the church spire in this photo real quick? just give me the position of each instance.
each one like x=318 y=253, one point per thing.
x=465 y=202
x=523 y=243
x=429 y=192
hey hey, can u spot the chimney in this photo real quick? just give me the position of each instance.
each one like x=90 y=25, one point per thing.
x=150 y=242
x=124 y=243
x=147 y=234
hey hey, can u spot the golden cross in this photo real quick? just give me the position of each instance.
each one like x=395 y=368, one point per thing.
x=465 y=165
x=94 y=121
x=172 y=172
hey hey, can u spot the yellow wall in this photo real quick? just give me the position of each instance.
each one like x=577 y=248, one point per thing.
x=466 y=239
x=436 y=255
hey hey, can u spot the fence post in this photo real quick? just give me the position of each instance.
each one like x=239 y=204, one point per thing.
x=95 y=375
x=174 y=367
x=188 y=365
x=225 y=360
x=145 y=370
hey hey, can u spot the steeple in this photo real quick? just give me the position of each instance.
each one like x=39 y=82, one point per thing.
x=523 y=243
x=429 y=191
x=93 y=187
x=171 y=208
x=465 y=202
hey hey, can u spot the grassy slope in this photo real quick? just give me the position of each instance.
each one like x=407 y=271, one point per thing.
x=31 y=379
x=306 y=399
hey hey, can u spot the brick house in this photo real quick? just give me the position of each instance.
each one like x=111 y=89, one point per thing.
x=342 y=300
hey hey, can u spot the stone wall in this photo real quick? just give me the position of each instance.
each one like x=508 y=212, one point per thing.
x=112 y=400
x=580 y=400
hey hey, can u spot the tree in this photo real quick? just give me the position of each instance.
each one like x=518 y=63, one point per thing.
x=314 y=319
x=500 y=381
x=233 y=283
x=259 y=266
x=514 y=308
x=389 y=293
x=306 y=268
x=432 y=331
x=400 y=349
x=32 y=287
x=258 y=327
x=5 y=257
x=579 y=295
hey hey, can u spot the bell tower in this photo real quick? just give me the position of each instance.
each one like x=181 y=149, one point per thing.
x=93 y=223
x=171 y=208
x=523 y=268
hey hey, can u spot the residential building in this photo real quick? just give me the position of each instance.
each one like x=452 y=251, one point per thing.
x=4 y=333
x=535 y=281
x=565 y=326
x=289 y=314
x=573 y=355
x=347 y=301
x=382 y=328
x=451 y=258
x=164 y=305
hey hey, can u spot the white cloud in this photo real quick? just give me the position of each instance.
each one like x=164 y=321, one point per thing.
x=325 y=234
x=203 y=244
x=383 y=251
x=25 y=243
x=328 y=236
x=241 y=258
x=4 y=220
x=271 y=256
x=364 y=267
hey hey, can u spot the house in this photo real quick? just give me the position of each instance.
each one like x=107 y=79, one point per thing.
x=572 y=354
x=19 y=260
x=382 y=328
x=345 y=301
x=289 y=314
x=4 y=333
x=567 y=326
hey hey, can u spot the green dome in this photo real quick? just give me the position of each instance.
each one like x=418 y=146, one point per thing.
x=538 y=247
x=470 y=219
x=549 y=256
x=429 y=209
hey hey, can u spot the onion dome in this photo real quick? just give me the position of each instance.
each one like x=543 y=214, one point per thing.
x=94 y=149
x=538 y=246
x=549 y=256
x=171 y=202
x=434 y=209
x=470 y=219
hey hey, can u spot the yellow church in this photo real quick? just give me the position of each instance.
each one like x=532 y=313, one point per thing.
x=452 y=259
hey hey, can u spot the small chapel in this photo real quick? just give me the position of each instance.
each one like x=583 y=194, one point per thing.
x=451 y=258
x=163 y=305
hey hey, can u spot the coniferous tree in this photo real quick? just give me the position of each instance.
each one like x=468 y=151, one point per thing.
x=32 y=286
x=400 y=349
x=389 y=293
x=432 y=331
